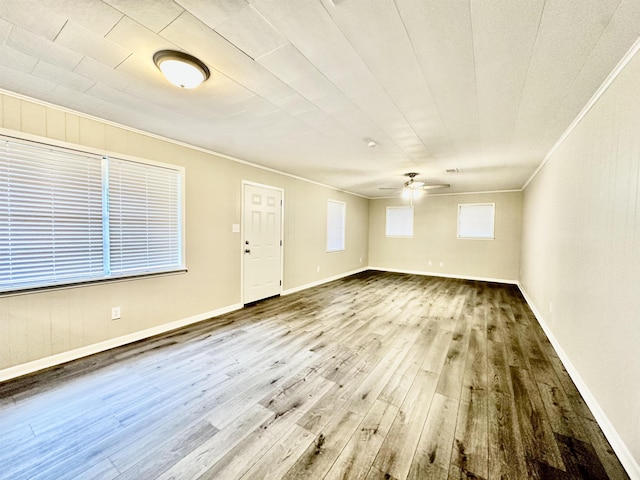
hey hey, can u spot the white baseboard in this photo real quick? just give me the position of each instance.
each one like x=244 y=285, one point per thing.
x=626 y=458
x=289 y=291
x=445 y=275
x=53 y=360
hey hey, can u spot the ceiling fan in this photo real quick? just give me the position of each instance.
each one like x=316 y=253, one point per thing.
x=413 y=188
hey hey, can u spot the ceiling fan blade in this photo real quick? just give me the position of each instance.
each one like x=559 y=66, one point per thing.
x=435 y=185
x=388 y=188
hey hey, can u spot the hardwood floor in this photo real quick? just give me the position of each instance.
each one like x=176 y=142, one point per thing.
x=378 y=375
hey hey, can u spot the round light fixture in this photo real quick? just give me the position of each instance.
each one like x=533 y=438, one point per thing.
x=181 y=69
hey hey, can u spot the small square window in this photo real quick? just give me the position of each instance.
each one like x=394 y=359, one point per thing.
x=476 y=220
x=399 y=222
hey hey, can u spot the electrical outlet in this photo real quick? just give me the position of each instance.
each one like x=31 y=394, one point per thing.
x=430 y=263
x=318 y=268
x=442 y=264
x=115 y=313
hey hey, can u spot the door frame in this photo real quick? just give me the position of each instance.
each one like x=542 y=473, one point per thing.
x=242 y=232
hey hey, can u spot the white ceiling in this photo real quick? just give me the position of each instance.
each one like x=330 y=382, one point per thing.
x=484 y=86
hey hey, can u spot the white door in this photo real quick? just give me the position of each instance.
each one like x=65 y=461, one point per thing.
x=261 y=242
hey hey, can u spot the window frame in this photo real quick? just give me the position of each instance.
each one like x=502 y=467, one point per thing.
x=469 y=207
x=392 y=208
x=102 y=157
x=343 y=227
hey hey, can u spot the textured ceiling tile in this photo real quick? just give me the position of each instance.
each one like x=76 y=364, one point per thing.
x=365 y=92
x=153 y=14
x=70 y=98
x=309 y=27
x=136 y=38
x=91 y=68
x=193 y=36
x=504 y=38
x=17 y=60
x=94 y=15
x=269 y=86
x=317 y=86
x=157 y=116
x=377 y=32
x=257 y=106
x=250 y=32
x=62 y=76
x=116 y=96
x=441 y=34
x=5 y=29
x=40 y=47
x=30 y=15
x=294 y=104
x=287 y=63
x=353 y=120
x=142 y=69
x=88 y=43
x=165 y=96
x=24 y=83
x=224 y=89
x=213 y=13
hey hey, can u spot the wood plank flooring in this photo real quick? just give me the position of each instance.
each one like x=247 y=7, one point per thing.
x=378 y=375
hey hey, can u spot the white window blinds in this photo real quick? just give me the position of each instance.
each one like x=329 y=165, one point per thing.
x=335 y=225
x=399 y=222
x=50 y=217
x=476 y=220
x=68 y=217
x=144 y=218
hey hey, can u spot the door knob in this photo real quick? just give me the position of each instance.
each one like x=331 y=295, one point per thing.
x=246 y=250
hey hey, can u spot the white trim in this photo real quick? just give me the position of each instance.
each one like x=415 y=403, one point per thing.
x=165 y=139
x=64 y=357
x=299 y=288
x=472 y=193
x=592 y=101
x=624 y=455
x=445 y=275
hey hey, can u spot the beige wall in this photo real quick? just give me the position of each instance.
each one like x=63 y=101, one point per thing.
x=434 y=239
x=581 y=251
x=38 y=325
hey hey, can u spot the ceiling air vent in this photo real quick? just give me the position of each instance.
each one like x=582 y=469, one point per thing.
x=452 y=170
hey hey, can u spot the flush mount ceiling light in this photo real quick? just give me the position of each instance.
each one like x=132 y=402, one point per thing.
x=370 y=142
x=181 y=69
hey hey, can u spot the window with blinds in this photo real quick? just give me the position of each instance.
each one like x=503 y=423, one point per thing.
x=476 y=220
x=336 y=212
x=69 y=217
x=399 y=222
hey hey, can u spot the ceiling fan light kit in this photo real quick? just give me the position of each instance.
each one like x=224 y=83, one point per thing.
x=411 y=193
x=414 y=189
